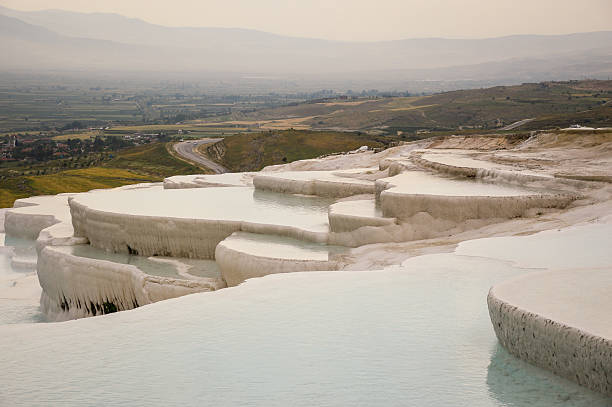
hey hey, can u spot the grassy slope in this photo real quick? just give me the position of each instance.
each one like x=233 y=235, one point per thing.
x=151 y=159
x=510 y=103
x=449 y=110
x=248 y=152
x=149 y=163
x=598 y=117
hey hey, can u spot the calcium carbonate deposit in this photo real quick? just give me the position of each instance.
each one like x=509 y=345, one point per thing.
x=419 y=275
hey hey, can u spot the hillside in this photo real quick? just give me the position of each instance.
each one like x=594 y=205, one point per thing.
x=557 y=104
x=252 y=152
x=148 y=163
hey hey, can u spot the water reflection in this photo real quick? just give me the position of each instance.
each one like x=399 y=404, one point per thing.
x=298 y=202
x=513 y=382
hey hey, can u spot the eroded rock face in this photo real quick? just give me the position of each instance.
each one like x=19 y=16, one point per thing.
x=216 y=151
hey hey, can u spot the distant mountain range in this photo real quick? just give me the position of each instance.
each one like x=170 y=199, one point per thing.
x=61 y=40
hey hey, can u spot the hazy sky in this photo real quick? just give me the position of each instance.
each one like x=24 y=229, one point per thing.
x=366 y=20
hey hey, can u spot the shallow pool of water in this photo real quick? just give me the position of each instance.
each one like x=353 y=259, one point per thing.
x=228 y=178
x=222 y=203
x=413 y=335
x=280 y=247
x=420 y=182
x=332 y=176
x=161 y=267
x=363 y=207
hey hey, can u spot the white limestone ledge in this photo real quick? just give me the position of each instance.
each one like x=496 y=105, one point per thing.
x=238 y=179
x=31 y=215
x=455 y=165
x=169 y=236
x=396 y=165
x=321 y=183
x=409 y=193
x=348 y=216
x=461 y=208
x=77 y=287
x=246 y=255
x=559 y=321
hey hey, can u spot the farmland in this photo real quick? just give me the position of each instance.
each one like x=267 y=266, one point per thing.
x=47 y=102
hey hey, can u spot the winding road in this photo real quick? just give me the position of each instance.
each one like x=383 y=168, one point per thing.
x=188 y=150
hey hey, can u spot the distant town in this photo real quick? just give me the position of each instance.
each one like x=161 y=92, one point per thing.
x=48 y=146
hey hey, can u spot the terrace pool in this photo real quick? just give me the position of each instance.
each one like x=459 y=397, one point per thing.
x=424 y=183
x=223 y=204
x=418 y=335
x=155 y=266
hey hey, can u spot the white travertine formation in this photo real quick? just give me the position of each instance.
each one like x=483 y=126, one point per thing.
x=76 y=287
x=412 y=192
x=246 y=255
x=555 y=319
x=462 y=208
x=321 y=183
x=120 y=224
x=228 y=179
x=558 y=320
x=348 y=216
x=454 y=164
x=31 y=215
x=467 y=167
x=396 y=165
x=60 y=234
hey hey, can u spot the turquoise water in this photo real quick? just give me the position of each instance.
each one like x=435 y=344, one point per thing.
x=148 y=265
x=416 y=335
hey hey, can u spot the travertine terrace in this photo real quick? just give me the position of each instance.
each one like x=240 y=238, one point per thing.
x=357 y=212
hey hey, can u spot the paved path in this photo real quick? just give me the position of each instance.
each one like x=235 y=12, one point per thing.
x=517 y=124
x=188 y=150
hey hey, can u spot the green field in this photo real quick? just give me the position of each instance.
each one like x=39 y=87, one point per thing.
x=67 y=181
x=148 y=163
